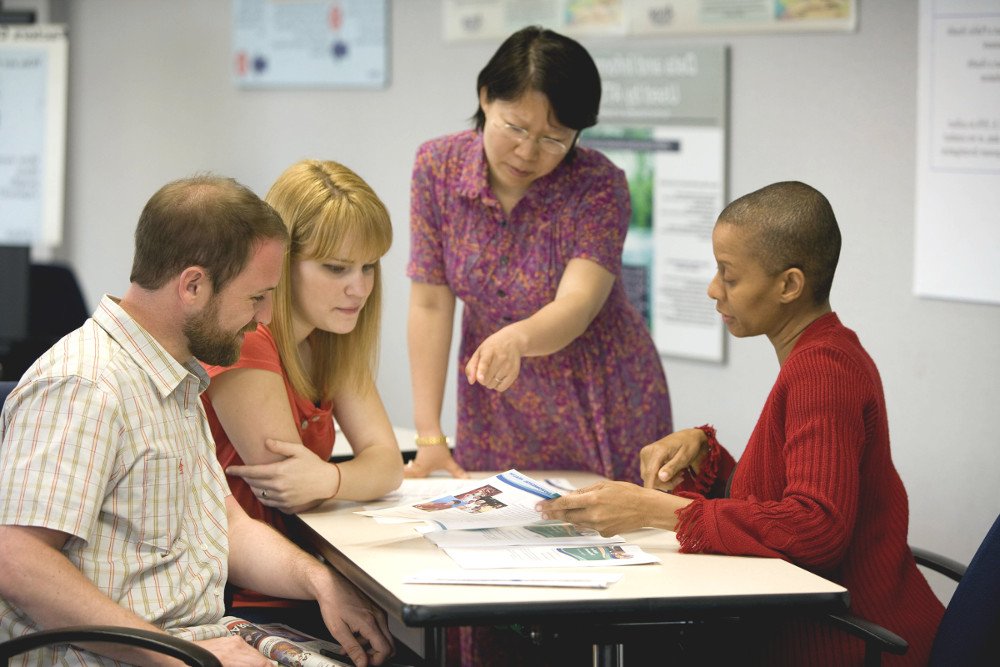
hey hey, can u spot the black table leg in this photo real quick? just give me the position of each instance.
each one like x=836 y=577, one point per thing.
x=608 y=655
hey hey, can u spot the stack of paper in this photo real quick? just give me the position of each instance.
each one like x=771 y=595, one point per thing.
x=492 y=524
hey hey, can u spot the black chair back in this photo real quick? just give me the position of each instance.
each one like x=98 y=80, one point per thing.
x=6 y=386
x=56 y=307
x=969 y=633
x=175 y=647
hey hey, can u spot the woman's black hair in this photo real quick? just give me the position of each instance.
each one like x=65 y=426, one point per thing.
x=534 y=58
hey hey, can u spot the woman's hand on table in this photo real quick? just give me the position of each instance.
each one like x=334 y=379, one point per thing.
x=663 y=463
x=432 y=458
x=612 y=508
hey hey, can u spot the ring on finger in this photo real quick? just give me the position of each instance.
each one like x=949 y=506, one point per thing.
x=263 y=493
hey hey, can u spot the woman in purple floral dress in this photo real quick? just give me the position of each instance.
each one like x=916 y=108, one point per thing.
x=558 y=369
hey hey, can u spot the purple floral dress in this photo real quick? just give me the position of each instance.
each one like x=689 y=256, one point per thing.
x=591 y=406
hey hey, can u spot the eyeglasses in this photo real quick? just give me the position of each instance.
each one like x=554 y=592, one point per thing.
x=518 y=135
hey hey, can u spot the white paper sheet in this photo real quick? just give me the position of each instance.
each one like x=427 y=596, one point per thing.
x=523 y=557
x=543 y=533
x=501 y=578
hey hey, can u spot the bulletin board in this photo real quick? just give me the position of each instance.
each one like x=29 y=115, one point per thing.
x=664 y=122
x=957 y=247
x=495 y=19
x=33 y=76
x=310 y=44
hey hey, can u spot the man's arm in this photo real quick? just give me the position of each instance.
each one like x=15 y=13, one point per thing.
x=40 y=581
x=263 y=560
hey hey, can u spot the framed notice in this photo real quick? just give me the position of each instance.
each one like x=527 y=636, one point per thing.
x=310 y=43
x=663 y=121
x=33 y=61
x=957 y=253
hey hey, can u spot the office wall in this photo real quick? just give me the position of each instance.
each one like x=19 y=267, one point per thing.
x=151 y=100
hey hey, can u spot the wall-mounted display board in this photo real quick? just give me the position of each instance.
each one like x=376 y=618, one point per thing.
x=33 y=62
x=310 y=43
x=958 y=151
x=495 y=19
x=664 y=122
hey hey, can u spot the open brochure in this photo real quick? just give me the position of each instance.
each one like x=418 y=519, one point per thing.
x=492 y=524
x=414 y=490
x=506 y=499
x=287 y=646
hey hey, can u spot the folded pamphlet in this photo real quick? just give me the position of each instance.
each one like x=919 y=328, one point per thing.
x=283 y=645
x=287 y=646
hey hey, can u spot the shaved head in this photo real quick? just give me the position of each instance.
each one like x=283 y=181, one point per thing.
x=790 y=224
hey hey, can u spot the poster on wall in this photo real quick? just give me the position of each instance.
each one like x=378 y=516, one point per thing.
x=33 y=62
x=957 y=248
x=310 y=43
x=663 y=122
x=495 y=19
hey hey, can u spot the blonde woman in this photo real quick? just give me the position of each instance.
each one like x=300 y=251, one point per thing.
x=272 y=411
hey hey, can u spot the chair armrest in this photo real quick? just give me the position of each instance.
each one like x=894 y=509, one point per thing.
x=938 y=563
x=175 y=647
x=875 y=635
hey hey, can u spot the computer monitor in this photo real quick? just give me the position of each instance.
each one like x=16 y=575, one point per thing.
x=17 y=16
x=15 y=265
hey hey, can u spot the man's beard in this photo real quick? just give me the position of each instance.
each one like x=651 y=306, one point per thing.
x=208 y=343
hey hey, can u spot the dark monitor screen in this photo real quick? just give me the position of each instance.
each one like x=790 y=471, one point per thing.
x=15 y=264
x=17 y=16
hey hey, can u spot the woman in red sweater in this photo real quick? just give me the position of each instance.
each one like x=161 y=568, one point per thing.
x=816 y=484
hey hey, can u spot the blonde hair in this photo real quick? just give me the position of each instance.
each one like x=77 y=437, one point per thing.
x=328 y=209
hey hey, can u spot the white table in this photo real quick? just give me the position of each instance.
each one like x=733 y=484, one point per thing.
x=404 y=436
x=376 y=557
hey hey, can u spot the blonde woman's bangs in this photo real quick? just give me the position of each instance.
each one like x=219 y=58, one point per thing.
x=348 y=232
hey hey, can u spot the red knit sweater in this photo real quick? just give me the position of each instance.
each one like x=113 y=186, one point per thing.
x=816 y=486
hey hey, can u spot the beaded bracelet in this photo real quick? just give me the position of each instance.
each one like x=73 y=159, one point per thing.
x=430 y=440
